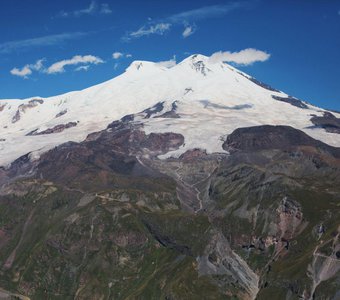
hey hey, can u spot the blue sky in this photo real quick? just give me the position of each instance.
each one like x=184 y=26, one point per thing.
x=52 y=47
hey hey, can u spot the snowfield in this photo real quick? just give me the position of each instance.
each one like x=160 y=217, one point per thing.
x=212 y=100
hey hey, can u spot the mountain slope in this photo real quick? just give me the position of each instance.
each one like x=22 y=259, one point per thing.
x=106 y=218
x=195 y=182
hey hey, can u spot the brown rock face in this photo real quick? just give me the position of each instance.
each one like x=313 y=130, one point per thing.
x=55 y=129
x=193 y=154
x=290 y=218
x=2 y=107
x=106 y=154
x=269 y=137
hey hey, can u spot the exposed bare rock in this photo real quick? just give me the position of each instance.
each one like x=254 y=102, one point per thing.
x=323 y=266
x=164 y=142
x=153 y=110
x=188 y=90
x=113 y=151
x=291 y=100
x=290 y=218
x=23 y=107
x=16 y=117
x=199 y=65
x=259 y=83
x=264 y=85
x=219 y=259
x=172 y=114
x=55 y=129
x=193 y=154
x=290 y=223
x=129 y=137
x=2 y=107
x=328 y=121
x=273 y=137
x=59 y=114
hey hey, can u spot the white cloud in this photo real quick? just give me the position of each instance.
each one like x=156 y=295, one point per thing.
x=105 y=9
x=160 y=26
x=59 y=67
x=159 y=29
x=23 y=72
x=205 y=12
x=93 y=9
x=168 y=63
x=82 y=68
x=243 y=57
x=38 y=65
x=117 y=55
x=87 y=11
x=28 y=69
x=48 y=40
x=189 y=30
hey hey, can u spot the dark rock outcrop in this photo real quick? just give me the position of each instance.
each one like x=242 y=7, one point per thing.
x=59 y=114
x=328 y=121
x=153 y=110
x=269 y=137
x=55 y=129
x=2 y=107
x=171 y=114
x=291 y=100
x=23 y=107
x=259 y=83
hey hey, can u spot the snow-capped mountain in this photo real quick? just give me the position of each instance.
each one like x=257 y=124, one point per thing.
x=200 y=99
x=242 y=209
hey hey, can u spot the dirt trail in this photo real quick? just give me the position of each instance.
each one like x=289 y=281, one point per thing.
x=324 y=267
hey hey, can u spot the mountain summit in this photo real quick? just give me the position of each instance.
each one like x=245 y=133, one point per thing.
x=208 y=99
